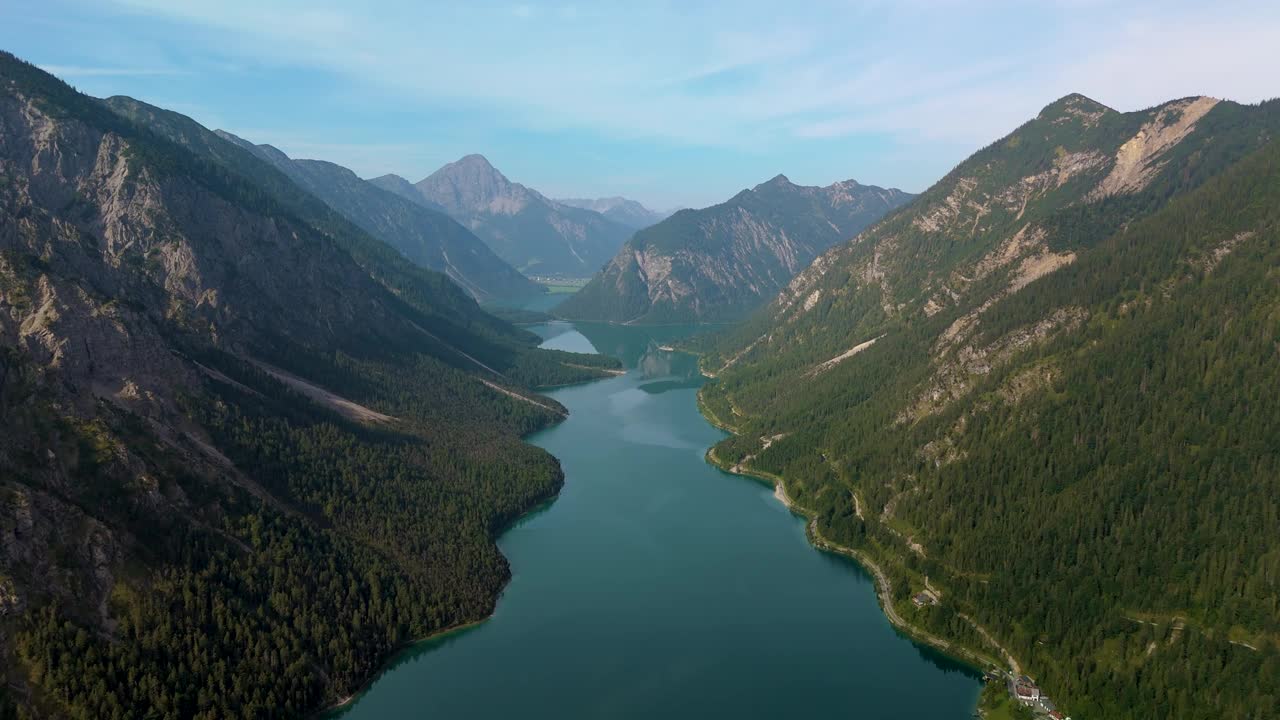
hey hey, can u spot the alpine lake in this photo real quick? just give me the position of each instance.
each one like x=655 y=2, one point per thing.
x=658 y=586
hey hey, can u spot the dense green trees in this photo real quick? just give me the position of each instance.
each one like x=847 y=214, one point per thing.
x=373 y=536
x=1104 y=498
x=189 y=537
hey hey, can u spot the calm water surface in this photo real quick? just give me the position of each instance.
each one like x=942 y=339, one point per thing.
x=657 y=586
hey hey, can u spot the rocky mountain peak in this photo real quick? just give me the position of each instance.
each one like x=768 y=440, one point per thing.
x=475 y=159
x=468 y=184
x=777 y=181
x=718 y=263
x=1074 y=106
x=618 y=209
x=845 y=185
x=524 y=227
x=474 y=166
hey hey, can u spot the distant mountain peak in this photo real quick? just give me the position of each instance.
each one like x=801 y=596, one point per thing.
x=1076 y=106
x=396 y=184
x=718 y=263
x=474 y=159
x=470 y=183
x=621 y=210
x=474 y=164
x=527 y=229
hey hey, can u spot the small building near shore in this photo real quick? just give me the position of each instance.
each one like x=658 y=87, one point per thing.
x=924 y=597
x=1026 y=691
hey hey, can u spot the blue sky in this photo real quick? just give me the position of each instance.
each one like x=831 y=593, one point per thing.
x=681 y=103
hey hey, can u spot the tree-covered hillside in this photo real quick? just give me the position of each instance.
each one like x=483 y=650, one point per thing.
x=1048 y=387
x=248 y=450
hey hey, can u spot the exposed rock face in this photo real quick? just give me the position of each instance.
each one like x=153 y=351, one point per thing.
x=537 y=235
x=719 y=263
x=620 y=210
x=101 y=259
x=428 y=238
x=1088 y=153
x=1004 y=219
x=1138 y=160
x=51 y=548
x=471 y=184
x=142 y=268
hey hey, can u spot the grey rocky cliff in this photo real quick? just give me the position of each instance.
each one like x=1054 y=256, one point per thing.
x=720 y=262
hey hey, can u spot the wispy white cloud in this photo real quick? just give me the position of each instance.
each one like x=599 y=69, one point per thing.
x=887 y=90
x=77 y=71
x=736 y=74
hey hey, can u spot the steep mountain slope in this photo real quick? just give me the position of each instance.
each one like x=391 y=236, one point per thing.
x=721 y=262
x=1047 y=389
x=536 y=235
x=395 y=184
x=628 y=213
x=409 y=280
x=429 y=238
x=245 y=455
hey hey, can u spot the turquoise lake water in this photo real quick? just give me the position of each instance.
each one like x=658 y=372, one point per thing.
x=657 y=586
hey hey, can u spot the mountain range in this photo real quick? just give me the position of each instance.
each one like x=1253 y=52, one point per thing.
x=718 y=263
x=1044 y=391
x=258 y=433
x=537 y=235
x=429 y=238
x=247 y=445
x=628 y=213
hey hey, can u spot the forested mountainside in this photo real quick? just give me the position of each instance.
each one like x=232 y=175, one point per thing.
x=721 y=262
x=248 y=450
x=620 y=210
x=1048 y=387
x=537 y=235
x=428 y=237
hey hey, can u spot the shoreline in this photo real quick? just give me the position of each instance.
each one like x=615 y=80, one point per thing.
x=975 y=659
x=709 y=415
x=394 y=655
x=609 y=373
x=628 y=323
x=880 y=579
x=398 y=651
